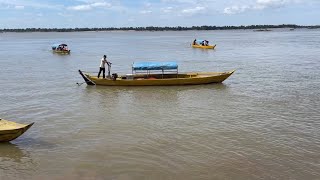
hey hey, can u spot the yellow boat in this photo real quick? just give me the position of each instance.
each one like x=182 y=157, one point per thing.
x=157 y=79
x=10 y=130
x=204 y=47
x=204 y=44
x=60 y=48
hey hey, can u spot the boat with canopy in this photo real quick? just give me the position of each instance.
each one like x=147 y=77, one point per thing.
x=156 y=74
x=10 y=130
x=60 y=48
x=202 y=44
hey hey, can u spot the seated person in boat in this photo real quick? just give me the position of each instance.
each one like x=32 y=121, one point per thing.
x=195 y=42
x=202 y=43
x=206 y=43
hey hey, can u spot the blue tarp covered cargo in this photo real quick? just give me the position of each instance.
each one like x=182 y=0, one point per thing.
x=199 y=41
x=154 y=65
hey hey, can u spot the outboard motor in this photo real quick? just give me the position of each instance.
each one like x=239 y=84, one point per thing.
x=114 y=76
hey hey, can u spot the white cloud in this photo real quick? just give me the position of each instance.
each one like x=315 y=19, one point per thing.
x=263 y=4
x=192 y=11
x=258 y=5
x=86 y=7
x=80 y=8
x=178 y=1
x=20 y=4
x=101 y=4
x=235 y=9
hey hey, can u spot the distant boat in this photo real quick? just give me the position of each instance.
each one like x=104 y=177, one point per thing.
x=202 y=44
x=60 y=48
x=262 y=30
x=292 y=29
x=147 y=74
x=10 y=130
x=204 y=47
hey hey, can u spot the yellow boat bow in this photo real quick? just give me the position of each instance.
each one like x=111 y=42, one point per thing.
x=10 y=130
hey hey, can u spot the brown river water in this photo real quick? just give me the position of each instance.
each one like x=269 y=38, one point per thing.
x=261 y=123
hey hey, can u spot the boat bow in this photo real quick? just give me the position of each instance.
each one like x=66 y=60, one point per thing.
x=10 y=130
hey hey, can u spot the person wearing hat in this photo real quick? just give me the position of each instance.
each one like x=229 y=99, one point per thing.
x=103 y=68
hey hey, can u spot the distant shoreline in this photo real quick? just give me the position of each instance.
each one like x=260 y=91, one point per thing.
x=154 y=28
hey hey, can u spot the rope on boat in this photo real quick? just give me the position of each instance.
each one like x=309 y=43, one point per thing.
x=79 y=84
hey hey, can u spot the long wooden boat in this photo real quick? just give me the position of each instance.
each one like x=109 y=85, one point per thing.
x=203 y=47
x=60 y=48
x=10 y=130
x=158 y=79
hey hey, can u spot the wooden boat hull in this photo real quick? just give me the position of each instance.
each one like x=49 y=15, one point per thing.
x=10 y=130
x=148 y=80
x=203 y=47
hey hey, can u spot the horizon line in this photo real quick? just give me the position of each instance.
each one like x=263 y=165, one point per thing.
x=150 y=28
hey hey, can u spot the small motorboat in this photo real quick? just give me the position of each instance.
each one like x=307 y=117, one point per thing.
x=60 y=48
x=204 y=44
x=10 y=130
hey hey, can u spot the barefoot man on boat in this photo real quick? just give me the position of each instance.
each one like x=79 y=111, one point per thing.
x=103 y=62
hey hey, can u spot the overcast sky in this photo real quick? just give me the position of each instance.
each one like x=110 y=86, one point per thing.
x=126 y=13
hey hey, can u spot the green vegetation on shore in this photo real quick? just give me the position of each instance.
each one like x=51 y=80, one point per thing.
x=152 y=28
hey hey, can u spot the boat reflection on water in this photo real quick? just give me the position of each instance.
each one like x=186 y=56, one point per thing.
x=164 y=92
x=130 y=100
x=12 y=152
x=16 y=163
x=103 y=89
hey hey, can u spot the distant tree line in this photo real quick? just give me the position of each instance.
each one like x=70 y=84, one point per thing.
x=153 y=28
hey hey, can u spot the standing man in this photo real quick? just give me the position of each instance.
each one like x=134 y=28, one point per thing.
x=102 y=66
